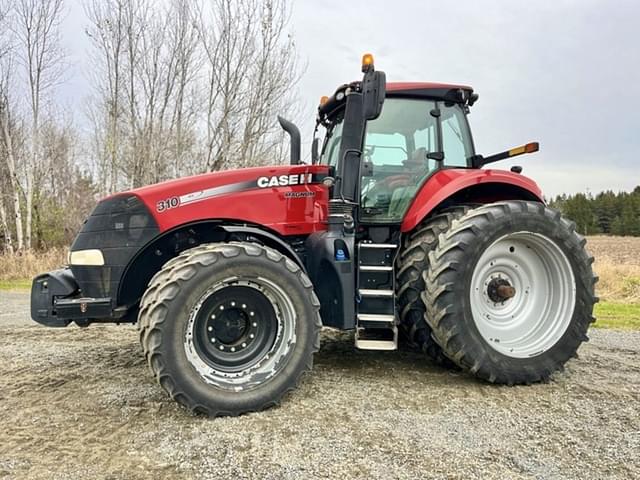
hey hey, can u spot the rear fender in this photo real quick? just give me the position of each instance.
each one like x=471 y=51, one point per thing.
x=456 y=185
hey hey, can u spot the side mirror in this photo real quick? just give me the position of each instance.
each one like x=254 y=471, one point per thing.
x=374 y=87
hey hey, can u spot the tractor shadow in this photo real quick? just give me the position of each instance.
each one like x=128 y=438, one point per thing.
x=338 y=353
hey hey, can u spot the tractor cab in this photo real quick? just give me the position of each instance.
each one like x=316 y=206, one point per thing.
x=417 y=132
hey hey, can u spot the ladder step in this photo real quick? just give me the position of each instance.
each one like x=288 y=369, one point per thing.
x=376 y=342
x=378 y=245
x=375 y=317
x=364 y=292
x=375 y=268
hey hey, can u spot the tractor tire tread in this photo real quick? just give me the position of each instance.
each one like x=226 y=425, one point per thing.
x=167 y=283
x=443 y=312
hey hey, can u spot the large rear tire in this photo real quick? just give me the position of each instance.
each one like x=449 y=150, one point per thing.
x=229 y=328
x=412 y=262
x=510 y=292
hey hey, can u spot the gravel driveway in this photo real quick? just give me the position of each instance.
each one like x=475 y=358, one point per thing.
x=80 y=403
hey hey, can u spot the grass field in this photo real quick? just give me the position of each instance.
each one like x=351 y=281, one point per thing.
x=618 y=315
x=617 y=264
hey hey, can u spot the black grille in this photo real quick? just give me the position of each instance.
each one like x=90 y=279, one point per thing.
x=119 y=226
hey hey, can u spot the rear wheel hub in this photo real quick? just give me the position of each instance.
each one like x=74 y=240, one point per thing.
x=500 y=290
x=522 y=294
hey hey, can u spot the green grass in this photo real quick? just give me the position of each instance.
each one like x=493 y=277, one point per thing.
x=15 y=284
x=624 y=316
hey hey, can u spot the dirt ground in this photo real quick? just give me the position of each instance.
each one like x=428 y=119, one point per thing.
x=81 y=404
x=616 y=250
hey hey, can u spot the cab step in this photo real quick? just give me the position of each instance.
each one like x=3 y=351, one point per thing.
x=376 y=327
x=391 y=246
x=376 y=339
x=375 y=268
x=374 y=317
x=366 y=292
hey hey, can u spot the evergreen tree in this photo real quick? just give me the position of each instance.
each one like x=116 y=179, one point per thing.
x=607 y=212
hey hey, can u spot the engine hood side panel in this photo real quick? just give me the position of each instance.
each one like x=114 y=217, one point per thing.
x=290 y=200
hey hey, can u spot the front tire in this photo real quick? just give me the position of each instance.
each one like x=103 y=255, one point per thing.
x=229 y=328
x=510 y=292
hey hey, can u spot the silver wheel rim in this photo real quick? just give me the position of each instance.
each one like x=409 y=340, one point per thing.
x=537 y=315
x=271 y=362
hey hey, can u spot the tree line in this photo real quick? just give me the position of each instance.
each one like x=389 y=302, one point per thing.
x=605 y=213
x=178 y=87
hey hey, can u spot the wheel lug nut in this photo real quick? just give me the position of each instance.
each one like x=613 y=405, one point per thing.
x=244 y=345
x=210 y=328
x=221 y=307
x=251 y=335
x=221 y=347
x=233 y=304
x=254 y=324
x=244 y=305
x=212 y=317
x=213 y=340
x=233 y=349
x=252 y=313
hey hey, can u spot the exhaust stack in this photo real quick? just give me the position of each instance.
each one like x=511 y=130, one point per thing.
x=294 y=133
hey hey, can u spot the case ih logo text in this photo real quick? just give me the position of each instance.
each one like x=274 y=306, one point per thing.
x=285 y=180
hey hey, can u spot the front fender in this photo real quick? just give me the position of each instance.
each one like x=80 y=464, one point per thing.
x=449 y=182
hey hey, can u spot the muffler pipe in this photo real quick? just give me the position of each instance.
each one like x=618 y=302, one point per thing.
x=294 y=133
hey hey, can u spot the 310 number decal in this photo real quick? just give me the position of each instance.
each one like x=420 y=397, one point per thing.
x=163 y=205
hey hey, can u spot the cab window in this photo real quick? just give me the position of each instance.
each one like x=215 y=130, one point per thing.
x=396 y=146
x=456 y=139
x=331 y=148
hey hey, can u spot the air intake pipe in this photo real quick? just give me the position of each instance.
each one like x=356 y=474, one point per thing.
x=294 y=133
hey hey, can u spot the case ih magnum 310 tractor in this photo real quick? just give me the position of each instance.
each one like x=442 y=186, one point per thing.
x=394 y=228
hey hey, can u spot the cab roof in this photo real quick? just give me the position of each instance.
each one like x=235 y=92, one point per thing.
x=425 y=89
x=462 y=94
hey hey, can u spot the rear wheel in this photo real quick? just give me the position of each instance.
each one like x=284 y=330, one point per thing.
x=510 y=292
x=229 y=328
x=413 y=261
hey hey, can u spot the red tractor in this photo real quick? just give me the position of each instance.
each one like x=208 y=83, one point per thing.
x=394 y=228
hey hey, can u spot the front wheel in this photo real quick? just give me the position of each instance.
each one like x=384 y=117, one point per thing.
x=229 y=328
x=510 y=292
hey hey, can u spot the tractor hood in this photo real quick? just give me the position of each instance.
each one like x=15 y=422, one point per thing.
x=289 y=199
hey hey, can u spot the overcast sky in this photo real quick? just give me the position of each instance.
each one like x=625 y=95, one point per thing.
x=565 y=73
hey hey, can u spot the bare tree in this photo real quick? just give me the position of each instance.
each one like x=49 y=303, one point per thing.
x=146 y=58
x=36 y=28
x=7 y=130
x=188 y=86
x=107 y=33
x=252 y=70
x=6 y=138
